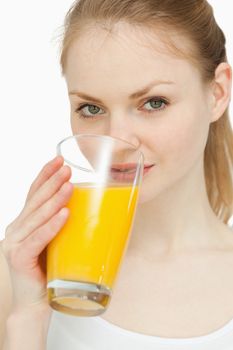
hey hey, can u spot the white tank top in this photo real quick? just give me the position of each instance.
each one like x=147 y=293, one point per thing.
x=87 y=333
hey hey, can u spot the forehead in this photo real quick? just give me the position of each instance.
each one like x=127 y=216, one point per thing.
x=124 y=56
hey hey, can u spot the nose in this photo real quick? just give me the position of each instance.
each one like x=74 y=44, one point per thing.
x=121 y=127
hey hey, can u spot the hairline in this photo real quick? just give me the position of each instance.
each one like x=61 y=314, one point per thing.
x=186 y=51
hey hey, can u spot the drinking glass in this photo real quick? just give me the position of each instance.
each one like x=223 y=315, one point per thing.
x=83 y=260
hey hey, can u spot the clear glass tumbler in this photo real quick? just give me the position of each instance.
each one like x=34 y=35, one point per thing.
x=84 y=258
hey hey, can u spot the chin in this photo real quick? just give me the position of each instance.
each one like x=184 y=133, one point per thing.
x=146 y=195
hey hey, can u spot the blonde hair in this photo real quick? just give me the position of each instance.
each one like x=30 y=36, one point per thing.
x=195 y=20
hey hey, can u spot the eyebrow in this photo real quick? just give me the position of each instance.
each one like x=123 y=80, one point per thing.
x=133 y=96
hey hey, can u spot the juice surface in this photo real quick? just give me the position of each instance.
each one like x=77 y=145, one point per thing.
x=91 y=244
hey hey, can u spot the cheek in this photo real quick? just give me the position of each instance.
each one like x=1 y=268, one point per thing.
x=81 y=126
x=180 y=141
x=77 y=125
x=176 y=147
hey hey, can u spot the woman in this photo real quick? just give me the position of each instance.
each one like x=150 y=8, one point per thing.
x=155 y=74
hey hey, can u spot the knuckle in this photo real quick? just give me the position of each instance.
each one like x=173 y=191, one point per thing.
x=53 y=225
x=49 y=209
x=44 y=214
x=48 y=230
x=8 y=229
x=37 y=238
x=58 y=200
x=56 y=180
x=27 y=225
x=13 y=226
x=47 y=168
x=61 y=198
x=62 y=173
x=33 y=221
x=62 y=193
x=67 y=170
x=57 y=223
x=31 y=188
x=9 y=251
x=57 y=176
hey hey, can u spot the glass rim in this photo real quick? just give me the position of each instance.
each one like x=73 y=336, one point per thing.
x=58 y=148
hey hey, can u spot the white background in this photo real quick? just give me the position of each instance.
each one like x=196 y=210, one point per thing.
x=34 y=107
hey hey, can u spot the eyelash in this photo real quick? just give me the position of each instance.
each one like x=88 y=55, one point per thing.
x=80 y=113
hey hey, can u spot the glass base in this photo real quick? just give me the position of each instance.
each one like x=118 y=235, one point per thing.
x=78 y=298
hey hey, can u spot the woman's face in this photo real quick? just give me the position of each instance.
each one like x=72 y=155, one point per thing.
x=129 y=86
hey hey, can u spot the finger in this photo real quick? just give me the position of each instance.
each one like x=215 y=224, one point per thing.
x=33 y=246
x=43 y=214
x=25 y=256
x=47 y=171
x=46 y=191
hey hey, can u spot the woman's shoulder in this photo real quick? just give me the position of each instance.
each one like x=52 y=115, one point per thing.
x=6 y=293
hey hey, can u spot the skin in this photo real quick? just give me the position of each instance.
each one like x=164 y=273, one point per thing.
x=176 y=235
x=111 y=68
x=25 y=313
x=175 y=231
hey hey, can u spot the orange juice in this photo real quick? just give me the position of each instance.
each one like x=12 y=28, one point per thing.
x=90 y=246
